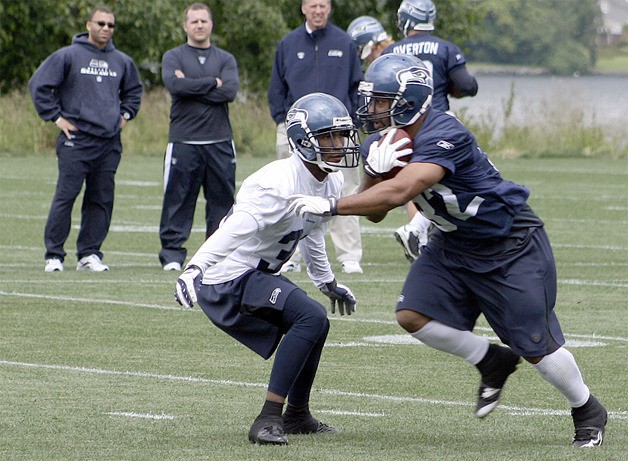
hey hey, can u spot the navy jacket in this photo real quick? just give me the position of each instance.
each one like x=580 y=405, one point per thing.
x=89 y=86
x=326 y=61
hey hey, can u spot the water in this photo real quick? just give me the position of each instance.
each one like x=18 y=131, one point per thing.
x=601 y=100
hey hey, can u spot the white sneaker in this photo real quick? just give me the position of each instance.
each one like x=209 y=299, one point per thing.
x=91 y=263
x=53 y=265
x=352 y=267
x=173 y=266
x=290 y=266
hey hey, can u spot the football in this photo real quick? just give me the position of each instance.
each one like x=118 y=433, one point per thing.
x=400 y=134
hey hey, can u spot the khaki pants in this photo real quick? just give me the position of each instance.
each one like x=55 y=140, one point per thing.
x=343 y=230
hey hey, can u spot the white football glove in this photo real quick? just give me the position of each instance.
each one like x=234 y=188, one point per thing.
x=341 y=294
x=185 y=291
x=320 y=206
x=384 y=156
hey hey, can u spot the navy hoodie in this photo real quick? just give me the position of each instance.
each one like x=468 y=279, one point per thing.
x=89 y=86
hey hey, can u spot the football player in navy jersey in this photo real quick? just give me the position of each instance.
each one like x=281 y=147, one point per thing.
x=489 y=254
x=234 y=276
x=447 y=65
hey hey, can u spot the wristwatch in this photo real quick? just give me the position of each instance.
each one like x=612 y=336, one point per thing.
x=126 y=116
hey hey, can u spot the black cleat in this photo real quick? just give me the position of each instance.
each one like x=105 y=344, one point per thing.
x=498 y=364
x=308 y=426
x=589 y=421
x=299 y=420
x=268 y=431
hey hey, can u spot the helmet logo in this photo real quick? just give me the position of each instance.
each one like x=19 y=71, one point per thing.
x=414 y=75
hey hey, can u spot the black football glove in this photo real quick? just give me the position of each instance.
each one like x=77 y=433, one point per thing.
x=340 y=294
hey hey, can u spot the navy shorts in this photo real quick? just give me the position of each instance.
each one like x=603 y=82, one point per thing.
x=249 y=308
x=516 y=293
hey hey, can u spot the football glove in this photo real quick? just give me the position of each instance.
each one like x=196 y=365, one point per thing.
x=321 y=206
x=384 y=156
x=185 y=291
x=340 y=294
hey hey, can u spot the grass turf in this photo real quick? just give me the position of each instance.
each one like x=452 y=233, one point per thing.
x=106 y=366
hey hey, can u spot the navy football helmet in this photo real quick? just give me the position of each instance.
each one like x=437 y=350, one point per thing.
x=314 y=117
x=416 y=15
x=366 y=31
x=402 y=79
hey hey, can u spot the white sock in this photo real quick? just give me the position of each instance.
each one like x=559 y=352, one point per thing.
x=561 y=370
x=464 y=344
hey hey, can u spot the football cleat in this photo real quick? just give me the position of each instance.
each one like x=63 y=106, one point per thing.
x=307 y=425
x=409 y=239
x=268 y=431
x=297 y=419
x=589 y=422
x=499 y=364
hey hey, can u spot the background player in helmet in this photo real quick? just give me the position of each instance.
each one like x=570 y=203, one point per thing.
x=447 y=64
x=489 y=255
x=370 y=37
x=234 y=275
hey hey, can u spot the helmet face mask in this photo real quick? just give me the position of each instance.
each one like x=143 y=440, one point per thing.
x=321 y=132
x=397 y=89
x=416 y=15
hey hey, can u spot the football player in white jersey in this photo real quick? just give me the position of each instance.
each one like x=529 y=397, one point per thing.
x=234 y=276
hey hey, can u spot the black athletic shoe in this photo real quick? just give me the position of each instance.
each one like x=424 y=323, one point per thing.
x=498 y=364
x=308 y=426
x=268 y=431
x=299 y=420
x=589 y=421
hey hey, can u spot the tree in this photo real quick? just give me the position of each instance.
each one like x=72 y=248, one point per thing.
x=556 y=34
x=30 y=30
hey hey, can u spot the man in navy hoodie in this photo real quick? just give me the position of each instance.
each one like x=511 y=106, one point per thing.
x=90 y=91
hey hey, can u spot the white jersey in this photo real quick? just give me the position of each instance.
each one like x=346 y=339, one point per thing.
x=260 y=233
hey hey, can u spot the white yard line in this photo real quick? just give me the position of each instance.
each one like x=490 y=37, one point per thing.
x=130 y=414
x=525 y=411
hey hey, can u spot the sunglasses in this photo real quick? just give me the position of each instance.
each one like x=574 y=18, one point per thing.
x=103 y=24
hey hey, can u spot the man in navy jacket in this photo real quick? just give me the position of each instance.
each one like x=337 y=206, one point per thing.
x=90 y=91
x=319 y=57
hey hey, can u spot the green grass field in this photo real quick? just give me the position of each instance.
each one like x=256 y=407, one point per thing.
x=106 y=366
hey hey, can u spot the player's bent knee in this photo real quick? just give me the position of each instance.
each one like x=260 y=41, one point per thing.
x=411 y=321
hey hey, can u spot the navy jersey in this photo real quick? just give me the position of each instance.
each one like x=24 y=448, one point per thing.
x=472 y=203
x=440 y=56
